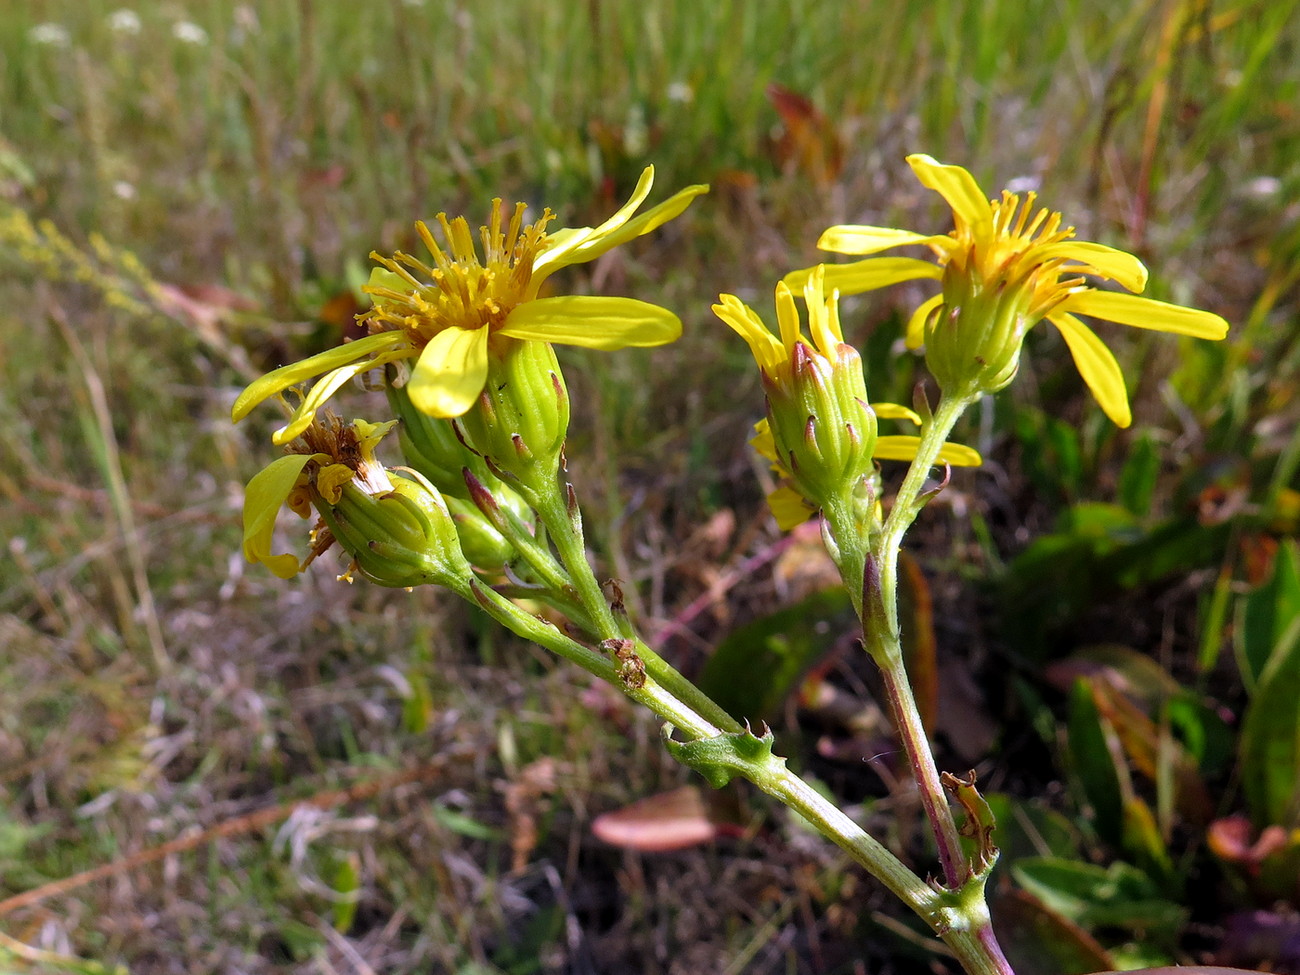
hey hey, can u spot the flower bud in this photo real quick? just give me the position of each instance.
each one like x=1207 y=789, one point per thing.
x=823 y=429
x=403 y=538
x=481 y=544
x=521 y=418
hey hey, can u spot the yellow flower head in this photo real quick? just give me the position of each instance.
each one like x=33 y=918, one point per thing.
x=444 y=315
x=1003 y=268
x=817 y=399
x=820 y=435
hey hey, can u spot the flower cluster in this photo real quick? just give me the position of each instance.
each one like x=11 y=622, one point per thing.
x=464 y=337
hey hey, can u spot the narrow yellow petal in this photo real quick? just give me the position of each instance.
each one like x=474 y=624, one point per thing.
x=959 y=455
x=562 y=243
x=789 y=507
x=265 y=495
x=868 y=275
x=281 y=379
x=624 y=212
x=1146 y=313
x=1098 y=259
x=893 y=411
x=958 y=187
x=764 y=443
x=577 y=247
x=849 y=239
x=450 y=373
x=326 y=387
x=916 y=324
x=787 y=317
x=904 y=448
x=769 y=353
x=593 y=322
x=1097 y=366
x=823 y=313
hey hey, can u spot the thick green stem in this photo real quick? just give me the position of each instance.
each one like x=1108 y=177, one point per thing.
x=871 y=566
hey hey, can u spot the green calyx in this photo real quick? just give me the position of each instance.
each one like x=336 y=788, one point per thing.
x=973 y=344
x=823 y=429
x=431 y=446
x=400 y=539
x=521 y=418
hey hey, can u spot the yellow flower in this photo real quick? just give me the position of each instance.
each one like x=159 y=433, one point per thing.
x=1004 y=268
x=820 y=435
x=444 y=316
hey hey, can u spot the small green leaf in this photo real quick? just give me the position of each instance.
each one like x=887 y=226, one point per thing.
x=753 y=670
x=465 y=825
x=1137 y=479
x=1266 y=613
x=347 y=887
x=1120 y=895
x=723 y=757
x=1090 y=759
x=1270 y=737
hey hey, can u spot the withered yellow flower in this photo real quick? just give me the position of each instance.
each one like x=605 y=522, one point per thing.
x=1003 y=268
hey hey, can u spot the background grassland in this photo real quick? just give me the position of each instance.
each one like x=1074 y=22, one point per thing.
x=184 y=207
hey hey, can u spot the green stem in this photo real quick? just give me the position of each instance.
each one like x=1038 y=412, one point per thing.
x=882 y=639
x=956 y=916
x=868 y=563
x=563 y=521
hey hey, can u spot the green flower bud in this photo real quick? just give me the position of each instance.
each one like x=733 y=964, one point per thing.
x=521 y=418
x=482 y=544
x=431 y=445
x=823 y=429
x=403 y=538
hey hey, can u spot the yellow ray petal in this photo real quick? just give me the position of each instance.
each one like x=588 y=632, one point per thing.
x=265 y=495
x=915 y=334
x=893 y=411
x=903 y=447
x=764 y=443
x=326 y=387
x=787 y=318
x=1106 y=262
x=1146 y=313
x=789 y=507
x=281 y=379
x=593 y=322
x=450 y=373
x=564 y=242
x=624 y=212
x=578 y=247
x=956 y=186
x=768 y=351
x=1097 y=366
x=850 y=239
x=868 y=275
